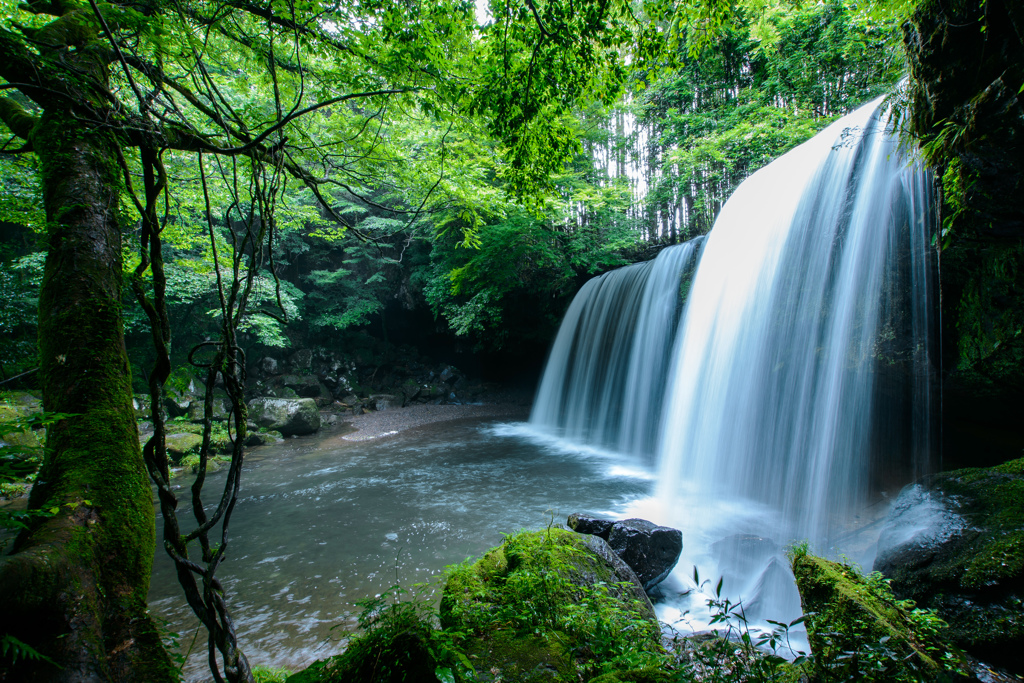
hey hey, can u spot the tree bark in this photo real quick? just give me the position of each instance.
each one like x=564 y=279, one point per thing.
x=75 y=586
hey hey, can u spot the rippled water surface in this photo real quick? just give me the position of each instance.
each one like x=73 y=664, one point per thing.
x=322 y=523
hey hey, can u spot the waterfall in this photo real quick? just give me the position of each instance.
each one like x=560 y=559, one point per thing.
x=801 y=372
x=605 y=379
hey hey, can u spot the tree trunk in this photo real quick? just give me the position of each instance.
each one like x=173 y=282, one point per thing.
x=75 y=586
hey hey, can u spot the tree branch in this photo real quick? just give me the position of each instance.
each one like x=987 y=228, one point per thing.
x=16 y=118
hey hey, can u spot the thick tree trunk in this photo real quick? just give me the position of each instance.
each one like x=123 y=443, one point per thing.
x=75 y=586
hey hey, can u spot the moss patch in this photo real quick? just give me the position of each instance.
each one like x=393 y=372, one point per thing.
x=180 y=445
x=857 y=629
x=550 y=582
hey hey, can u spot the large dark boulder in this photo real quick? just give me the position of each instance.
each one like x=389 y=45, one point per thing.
x=290 y=416
x=651 y=550
x=954 y=542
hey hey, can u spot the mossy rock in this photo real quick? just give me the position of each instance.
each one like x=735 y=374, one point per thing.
x=969 y=568
x=28 y=439
x=262 y=439
x=23 y=402
x=511 y=657
x=847 y=614
x=14 y=406
x=548 y=599
x=180 y=445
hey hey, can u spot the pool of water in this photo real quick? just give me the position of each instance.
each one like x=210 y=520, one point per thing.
x=323 y=523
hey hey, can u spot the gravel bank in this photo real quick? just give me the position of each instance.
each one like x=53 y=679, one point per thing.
x=375 y=425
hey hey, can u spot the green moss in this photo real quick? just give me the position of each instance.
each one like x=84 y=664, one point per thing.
x=266 y=674
x=1000 y=560
x=551 y=582
x=514 y=657
x=1014 y=467
x=181 y=445
x=858 y=631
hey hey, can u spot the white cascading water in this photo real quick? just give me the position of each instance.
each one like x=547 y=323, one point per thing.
x=800 y=380
x=605 y=378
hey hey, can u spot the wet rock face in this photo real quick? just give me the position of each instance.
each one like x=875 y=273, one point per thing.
x=955 y=543
x=651 y=551
x=966 y=69
x=965 y=105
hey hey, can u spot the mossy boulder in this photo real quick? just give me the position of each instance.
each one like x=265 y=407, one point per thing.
x=262 y=439
x=954 y=542
x=15 y=406
x=509 y=656
x=17 y=437
x=180 y=445
x=858 y=631
x=548 y=606
x=288 y=416
x=22 y=402
x=221 y=409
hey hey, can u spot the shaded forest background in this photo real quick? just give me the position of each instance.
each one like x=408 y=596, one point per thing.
x=480 y=276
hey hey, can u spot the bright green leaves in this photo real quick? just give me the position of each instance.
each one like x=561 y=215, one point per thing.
x=540 y=60
x=775 y=76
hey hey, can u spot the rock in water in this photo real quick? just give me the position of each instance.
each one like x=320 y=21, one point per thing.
x=582 y=524
x=290 y=416
x=651 y=550
x=955 y=543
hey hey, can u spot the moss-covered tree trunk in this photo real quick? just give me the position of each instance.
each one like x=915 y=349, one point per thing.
x=75 y=586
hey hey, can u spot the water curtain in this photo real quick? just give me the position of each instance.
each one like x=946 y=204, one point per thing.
x=799 y=380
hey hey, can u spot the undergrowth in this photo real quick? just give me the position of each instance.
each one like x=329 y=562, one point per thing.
x=539 y=597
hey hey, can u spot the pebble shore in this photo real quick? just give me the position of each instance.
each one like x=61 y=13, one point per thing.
x=379 y=424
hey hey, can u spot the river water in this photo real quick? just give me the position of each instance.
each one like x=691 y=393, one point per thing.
x=322 y=523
